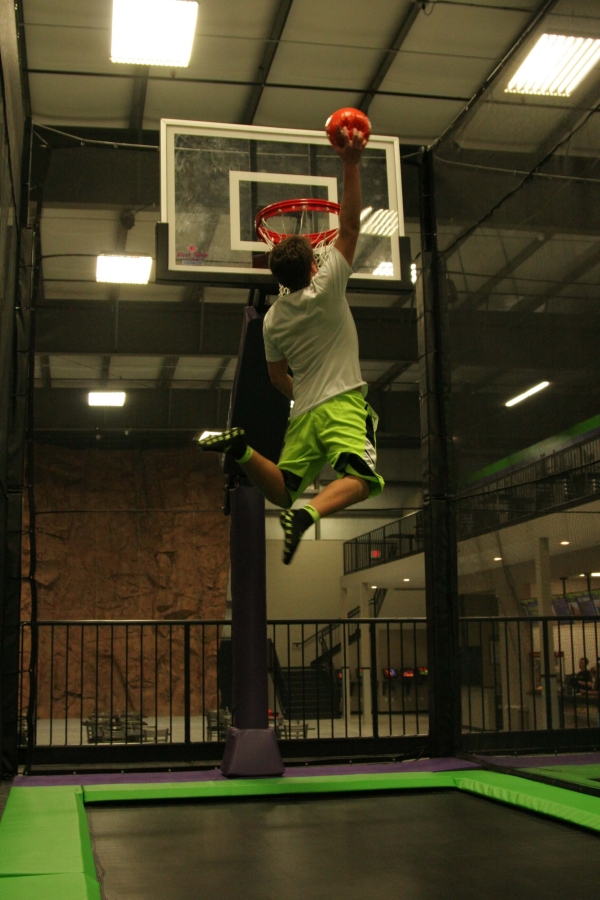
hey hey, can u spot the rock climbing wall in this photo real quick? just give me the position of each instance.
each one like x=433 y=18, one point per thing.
x=128 y=535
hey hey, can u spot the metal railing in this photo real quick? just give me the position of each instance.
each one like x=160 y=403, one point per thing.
x=113 y=682
x=499 y=503
x=382 y=545
x=523 y=674
x=503 y=502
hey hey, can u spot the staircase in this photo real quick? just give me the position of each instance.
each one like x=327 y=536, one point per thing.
x=309 y=693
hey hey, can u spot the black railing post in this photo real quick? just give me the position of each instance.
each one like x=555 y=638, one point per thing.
x=547 y=675
x=187 y=704
x=32 y=702
x=439 y=528
x=373 y=676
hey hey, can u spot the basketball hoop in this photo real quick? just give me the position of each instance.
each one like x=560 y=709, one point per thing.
x=307 y=211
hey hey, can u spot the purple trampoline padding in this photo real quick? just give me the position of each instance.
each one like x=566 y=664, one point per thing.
x=422 y=765
x=538 y=762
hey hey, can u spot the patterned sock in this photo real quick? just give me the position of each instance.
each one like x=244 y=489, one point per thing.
x=313 y=513
x=295 y=523
x=232 y=441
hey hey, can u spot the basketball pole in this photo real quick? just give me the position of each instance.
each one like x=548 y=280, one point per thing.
x=251 y=748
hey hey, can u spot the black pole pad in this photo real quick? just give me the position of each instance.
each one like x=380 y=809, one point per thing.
x=251 y=748
x=256 y=406
x=249 y=608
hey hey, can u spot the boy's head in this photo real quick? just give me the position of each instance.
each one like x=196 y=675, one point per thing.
x=292 y=262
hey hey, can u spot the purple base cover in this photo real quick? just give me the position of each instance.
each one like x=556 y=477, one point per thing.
x=251 y=753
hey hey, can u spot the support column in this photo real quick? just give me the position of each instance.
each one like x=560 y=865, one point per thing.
x=543 y=582
x=251 y=749
x=439 y=507
x=364 y=681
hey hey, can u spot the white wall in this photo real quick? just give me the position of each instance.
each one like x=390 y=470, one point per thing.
x=310 y=586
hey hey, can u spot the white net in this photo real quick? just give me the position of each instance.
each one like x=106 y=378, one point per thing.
x=320 y=226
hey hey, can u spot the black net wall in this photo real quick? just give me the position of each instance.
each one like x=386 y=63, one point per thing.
x=517 y=193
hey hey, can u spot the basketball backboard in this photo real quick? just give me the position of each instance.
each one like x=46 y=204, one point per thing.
x=216 y=177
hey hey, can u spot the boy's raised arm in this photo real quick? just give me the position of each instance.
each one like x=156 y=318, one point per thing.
x=351 y=204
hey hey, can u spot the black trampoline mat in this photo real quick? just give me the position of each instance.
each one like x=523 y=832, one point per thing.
x=429 y=846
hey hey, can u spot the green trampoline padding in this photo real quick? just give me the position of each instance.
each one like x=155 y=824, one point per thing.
x=265 y=787
x=585 y=775
x=45 y=847
x=50 y=887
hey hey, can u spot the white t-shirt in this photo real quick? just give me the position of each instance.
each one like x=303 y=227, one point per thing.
x=314 y=330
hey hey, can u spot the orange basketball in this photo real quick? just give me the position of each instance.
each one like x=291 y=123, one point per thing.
x=346 y=118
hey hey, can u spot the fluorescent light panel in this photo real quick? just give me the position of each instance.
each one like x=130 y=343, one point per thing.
x=123 y=269
x=555 y=66
x=153 y=32
x=381 y=222
x=384 y=269
x=106 y=398
x=529 y=393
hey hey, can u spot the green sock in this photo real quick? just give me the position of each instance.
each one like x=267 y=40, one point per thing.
x=313 y=513
x=247 y=454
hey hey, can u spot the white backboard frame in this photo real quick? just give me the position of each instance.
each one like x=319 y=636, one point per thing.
x=170 y=127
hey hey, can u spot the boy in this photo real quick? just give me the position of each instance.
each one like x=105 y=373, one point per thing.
x=312 y=331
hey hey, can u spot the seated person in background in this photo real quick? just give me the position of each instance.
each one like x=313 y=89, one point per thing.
x=582 y=680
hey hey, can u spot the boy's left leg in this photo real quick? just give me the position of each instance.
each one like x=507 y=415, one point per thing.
x=346 y=427
x=263 y=473
x=335 y=497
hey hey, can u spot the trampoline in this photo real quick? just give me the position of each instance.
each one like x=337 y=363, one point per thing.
x=419 y=834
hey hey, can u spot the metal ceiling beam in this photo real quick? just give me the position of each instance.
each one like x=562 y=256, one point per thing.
x=167 y=371
x=571 y=121
x=388 y=377
x=277 y=26
x=475 y=300
x=45 y=367
x=480 y=338
x=209 y=329
x=138 y=101
x=389 y=56
x=216 y=382
x=193 y=293
x=63 y=414
x=583 y=264
x=105 y=371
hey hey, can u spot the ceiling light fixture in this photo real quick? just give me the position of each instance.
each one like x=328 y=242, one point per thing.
x=555 y=66
x=106 y=398
x=406 y=579
x=123 y=269
x=565 y=543
x=595 y=574
x=529 y=393
x=497 y=559
x=153 y=32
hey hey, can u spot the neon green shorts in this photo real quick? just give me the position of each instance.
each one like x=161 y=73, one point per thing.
x=340 y=431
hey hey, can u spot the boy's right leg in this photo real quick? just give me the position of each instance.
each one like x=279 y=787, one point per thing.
x=268 y=478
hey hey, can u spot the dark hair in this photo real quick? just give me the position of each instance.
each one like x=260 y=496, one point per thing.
x=290 y=262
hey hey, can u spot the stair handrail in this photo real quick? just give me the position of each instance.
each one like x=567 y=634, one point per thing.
x=333 y=626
